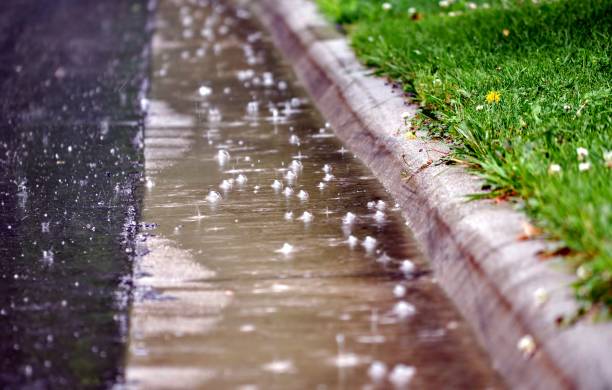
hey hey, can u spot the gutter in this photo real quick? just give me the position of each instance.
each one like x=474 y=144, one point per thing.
x=473 y=246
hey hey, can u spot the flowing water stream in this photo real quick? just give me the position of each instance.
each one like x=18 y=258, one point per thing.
x=273 y=258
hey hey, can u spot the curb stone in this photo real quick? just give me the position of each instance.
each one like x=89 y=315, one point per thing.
x=473 y=246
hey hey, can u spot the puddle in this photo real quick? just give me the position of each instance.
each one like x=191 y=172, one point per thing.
x=278 y=261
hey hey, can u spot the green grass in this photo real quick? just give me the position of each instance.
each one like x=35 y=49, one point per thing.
x=550 y=61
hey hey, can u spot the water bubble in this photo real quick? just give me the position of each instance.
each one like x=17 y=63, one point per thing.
x=377 y=371
x=285 y=249
x=247 y=328
x=384 y=259
x=403 y=309
x=268 y=79
x=296 y=102
x=226 y=185
x=144 y=104
x=399 y=291
x=214 y=115
x=48 y=257
x=223 y=157
x=280 y=366
x=349 y=218
x=379 y=216
x=294 y=139
x=352 y=241
x=306 y=217
x=149 y=183
x=407 y=267
x=213 y=197
x=204 y=91
x=347 y=360
x=369 y=243
x=402 y=375
x=290 y=176
x=241 y=179
x=296 y=166
x=276 y=185
x=302 y=195
x=252 y=107
x=244 y=75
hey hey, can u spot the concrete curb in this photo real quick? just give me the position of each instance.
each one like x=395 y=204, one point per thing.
x=473 y=246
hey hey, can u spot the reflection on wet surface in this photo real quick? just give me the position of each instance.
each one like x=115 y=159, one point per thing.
x=274 y=259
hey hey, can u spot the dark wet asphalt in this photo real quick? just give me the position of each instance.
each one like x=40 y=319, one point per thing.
x=71 y=76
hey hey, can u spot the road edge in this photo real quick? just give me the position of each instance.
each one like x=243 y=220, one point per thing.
x=510 y=297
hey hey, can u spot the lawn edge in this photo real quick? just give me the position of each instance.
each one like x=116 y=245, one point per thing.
x=473 y=247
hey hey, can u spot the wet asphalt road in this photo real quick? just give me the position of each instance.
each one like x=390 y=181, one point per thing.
x=72 y=74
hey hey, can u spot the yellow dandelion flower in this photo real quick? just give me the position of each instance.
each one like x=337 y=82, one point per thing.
x=505 y=32
x=493 y=97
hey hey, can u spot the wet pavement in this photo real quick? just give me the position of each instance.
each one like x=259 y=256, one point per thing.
x=273 y=259
x=71 y=73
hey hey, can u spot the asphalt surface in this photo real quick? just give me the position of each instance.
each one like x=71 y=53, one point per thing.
x=72 y=75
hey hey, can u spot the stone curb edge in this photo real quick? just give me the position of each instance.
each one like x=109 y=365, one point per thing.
x=473 y=247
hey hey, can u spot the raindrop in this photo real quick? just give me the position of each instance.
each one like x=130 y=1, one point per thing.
x=223 y=157
x=268 y=79
x=290 y=176
x=381 y=205
x=306 y=217
x=294 y=139
x=276 y=185
x=402 y=375
x=241 y=179
x=213 y=197
x=399 y=291
x=349 y=218
x=327 y=168
x=302 y=195
x=369 y=243
x=204 y=91
x=377 y=371
x=285 y=249
x=288 y=191
x=48 y=257
x=296 y=166
x=252 y=107
x=403 y=309
x=280 y=366
x=321 y=185
x=289 y=215
x=247 y=328
x=149 y=183
x=384 y=259
x=407 y=267
x=352 y=241
x=226 y=185
x=379 y=216
x=328 y=177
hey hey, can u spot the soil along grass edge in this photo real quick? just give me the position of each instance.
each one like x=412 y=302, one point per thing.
x=496 y=280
